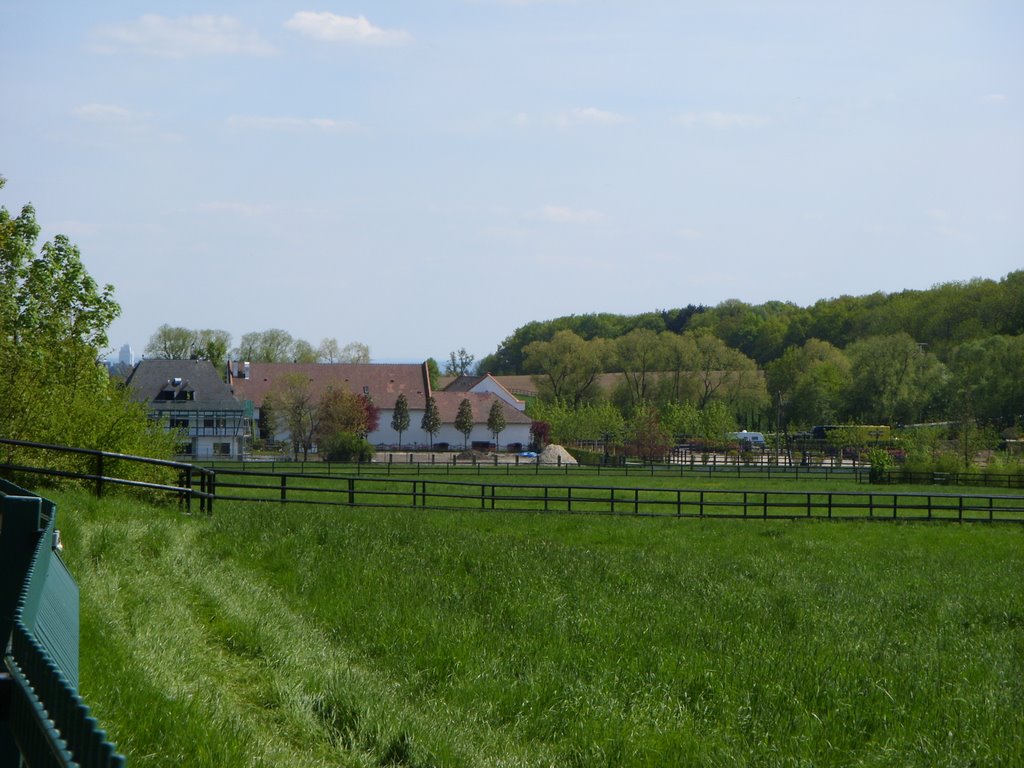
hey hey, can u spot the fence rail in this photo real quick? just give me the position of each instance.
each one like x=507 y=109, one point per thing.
x=426 y=493
x=193 y=481
x=717 y=470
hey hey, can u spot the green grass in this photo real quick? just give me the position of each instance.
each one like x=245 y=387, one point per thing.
x=304 y=636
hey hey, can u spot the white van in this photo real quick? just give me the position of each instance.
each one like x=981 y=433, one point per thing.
x=749 y=439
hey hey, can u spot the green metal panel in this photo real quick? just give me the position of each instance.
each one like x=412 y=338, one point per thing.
x=46 y=722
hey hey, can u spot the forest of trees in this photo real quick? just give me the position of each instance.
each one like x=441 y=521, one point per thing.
x=954 y=352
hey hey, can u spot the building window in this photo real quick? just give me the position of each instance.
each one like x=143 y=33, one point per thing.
x=178 y=422
x=222 y=449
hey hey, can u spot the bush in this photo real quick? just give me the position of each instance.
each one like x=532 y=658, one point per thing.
x=346 y=447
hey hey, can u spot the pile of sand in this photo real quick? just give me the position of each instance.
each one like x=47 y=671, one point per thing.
x=555 y=454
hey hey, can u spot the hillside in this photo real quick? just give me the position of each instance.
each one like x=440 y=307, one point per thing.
x=941 y=317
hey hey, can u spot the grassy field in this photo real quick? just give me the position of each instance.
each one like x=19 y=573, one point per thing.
x=305 y=636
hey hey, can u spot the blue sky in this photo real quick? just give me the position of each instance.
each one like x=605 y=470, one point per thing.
x=424 y=176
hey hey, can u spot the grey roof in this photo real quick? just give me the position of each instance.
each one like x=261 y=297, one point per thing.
x=463 y=383
x=181 y=385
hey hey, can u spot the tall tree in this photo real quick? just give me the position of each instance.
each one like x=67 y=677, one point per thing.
x=639 y=354
x=400 y=417
x=271 y=346
x=433 y=372
x=171 y=343
x=808 y=382
x=570 y=366
x=53 y=329
x=212 y=344
x=464 y=420
x=303 y=352
x=894 y=380
x=340 y=411
x=496 y=422
x=328 y=351
x=431 y=422
x=354 y=352
x=294 y=410
x=459 y=363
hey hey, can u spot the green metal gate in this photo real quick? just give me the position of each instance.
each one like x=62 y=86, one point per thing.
x=43 y=720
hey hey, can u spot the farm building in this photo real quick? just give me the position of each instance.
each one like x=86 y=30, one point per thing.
x=382 y=383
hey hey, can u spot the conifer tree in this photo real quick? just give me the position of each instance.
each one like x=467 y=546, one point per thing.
x=496 y=420
x=400 y=418
x=464 y=420
x=431 y=423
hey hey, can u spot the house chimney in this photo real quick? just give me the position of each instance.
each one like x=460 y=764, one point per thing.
x=245 y=370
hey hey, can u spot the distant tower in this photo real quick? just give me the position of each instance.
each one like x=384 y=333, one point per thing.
x=126 y=357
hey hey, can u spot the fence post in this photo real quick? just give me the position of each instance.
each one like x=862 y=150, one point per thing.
x=352 y=491
x=284 y=492
x=99 y=475
x=211 y=488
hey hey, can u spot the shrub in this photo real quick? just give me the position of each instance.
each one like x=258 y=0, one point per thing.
x=346 y=447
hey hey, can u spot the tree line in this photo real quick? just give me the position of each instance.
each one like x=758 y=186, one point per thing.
x=769 y=368
x=274 y=345
x=942 y=317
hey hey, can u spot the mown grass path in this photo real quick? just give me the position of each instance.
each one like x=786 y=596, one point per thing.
x=305 y=636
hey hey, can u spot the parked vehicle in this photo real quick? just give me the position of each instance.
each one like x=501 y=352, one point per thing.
x=749 y=440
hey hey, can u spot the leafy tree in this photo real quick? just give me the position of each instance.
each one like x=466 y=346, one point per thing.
x=588 y=421
x=53 y=327
x=648 y=439
x=709 y=424
x=171 y=343
x=433 y=372
x=496 y=420
x=639 y=354
x=986 y=380
x=723 y=373
x=212 y=344
x=328 y=351
x=354 y=352
x=400 y=417
x=540 y=433
x=294 y=410
x=810 y=382
x=339 y=410
x=464 y=420
x=176 y=343
x=570 y=366
x=459 y=363
x=303 y=352
x=431 y=422
x=894 y=380
x=270 y=346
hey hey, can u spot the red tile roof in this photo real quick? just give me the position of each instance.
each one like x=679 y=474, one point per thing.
x=382 y=381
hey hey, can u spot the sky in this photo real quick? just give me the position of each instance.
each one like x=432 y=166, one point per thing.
x=427 y=175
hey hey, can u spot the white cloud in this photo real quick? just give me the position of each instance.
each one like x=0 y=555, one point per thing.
x=995 y=98
x=277 y=124
x=331 y=28
x=719 y=120
x=180 y=37
x=590 y=116
x=106 y=113
x=689 y=233
x=561 y=215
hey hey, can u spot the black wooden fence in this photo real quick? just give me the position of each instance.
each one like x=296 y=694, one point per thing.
x=446 y=493
x=533 y=488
